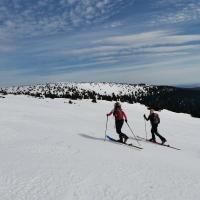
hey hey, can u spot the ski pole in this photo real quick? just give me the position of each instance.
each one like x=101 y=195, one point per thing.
x=145 y=128
x=106 y=128
x=133 y=133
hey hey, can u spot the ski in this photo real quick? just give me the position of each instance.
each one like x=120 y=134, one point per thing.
x=110 y=139
x=165 y=145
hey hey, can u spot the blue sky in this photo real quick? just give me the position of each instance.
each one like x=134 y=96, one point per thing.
x=134 y=41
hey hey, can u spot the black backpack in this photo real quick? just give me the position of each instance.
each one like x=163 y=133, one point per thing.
x=156 y=118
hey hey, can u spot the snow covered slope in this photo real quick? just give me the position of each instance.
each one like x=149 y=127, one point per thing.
x=99 y=88
x=52 y=150
x=158 y=97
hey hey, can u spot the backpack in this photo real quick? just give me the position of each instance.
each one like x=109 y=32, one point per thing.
x=156 y=118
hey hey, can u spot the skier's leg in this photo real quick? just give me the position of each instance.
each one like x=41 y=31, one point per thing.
x=122 y=136
x=153 y=134
x=125 y=137
x=118 y=130
x=160 y=136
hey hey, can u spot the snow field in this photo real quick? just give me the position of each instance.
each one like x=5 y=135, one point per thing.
x=51 y=150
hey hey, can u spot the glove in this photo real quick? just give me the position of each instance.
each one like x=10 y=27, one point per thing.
x=126 y=120
x=144 y=116
x=107 y=115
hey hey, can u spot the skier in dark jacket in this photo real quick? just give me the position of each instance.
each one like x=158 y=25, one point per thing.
x=155 y=120
x=120 y=116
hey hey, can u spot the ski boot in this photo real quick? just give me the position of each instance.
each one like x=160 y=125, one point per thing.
x=125 y=139
x=152 y=140
x=163 y=141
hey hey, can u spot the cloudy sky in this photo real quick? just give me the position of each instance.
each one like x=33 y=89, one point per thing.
x=134 y=41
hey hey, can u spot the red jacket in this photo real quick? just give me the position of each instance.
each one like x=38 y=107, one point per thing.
x=119 y=114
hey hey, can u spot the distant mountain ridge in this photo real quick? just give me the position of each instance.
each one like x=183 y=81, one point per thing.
x=192 y=86
x=158 y=97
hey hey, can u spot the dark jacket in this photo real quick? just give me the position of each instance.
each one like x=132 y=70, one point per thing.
x=154 y=119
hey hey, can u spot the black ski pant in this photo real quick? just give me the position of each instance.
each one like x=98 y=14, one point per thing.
x=154 y=131
x=118 y=125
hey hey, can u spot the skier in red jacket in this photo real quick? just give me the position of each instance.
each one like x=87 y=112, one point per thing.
x=120 y=116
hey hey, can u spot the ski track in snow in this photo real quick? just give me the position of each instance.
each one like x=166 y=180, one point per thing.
x=52 y=150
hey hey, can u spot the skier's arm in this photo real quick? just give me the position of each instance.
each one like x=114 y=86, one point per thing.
x=146 y=117
x=125 y=117
x=110 y=113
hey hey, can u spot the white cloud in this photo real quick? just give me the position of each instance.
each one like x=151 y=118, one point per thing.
x=151 y=38
x=91 y=50
x=49 y=16
x=178 y=11
x=127 y=46
x=83 y=66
